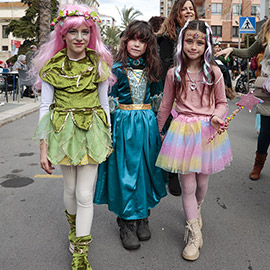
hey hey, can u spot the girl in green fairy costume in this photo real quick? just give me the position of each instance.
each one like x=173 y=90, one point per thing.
x=74 y=126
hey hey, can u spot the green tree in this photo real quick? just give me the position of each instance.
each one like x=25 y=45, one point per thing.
x=28 y=26
x=110 y=37
x=128 y=15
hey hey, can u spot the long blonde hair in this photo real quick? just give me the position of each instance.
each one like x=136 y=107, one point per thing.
x=168 y=27
x=264 y=34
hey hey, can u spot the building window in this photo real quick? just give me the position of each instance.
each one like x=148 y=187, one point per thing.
x=108 y=22
x=235 y=32
x=5 y=48
x=216 y=8
x=236 y=9
x=4 y=34
x=255 y=10
x=217 y=31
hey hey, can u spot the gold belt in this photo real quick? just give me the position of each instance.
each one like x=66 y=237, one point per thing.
x=129 y=107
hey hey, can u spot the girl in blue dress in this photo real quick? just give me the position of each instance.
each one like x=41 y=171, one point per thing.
x=129 y=182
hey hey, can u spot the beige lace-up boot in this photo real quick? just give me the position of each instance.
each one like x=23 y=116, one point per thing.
x=193 y=238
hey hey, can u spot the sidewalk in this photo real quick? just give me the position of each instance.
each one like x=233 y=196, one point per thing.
x=14 y=110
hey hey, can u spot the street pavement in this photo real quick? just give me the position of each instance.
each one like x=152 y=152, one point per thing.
x=14 y=109
x=33 y=228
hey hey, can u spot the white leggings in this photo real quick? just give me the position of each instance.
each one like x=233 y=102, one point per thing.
x=79 y=188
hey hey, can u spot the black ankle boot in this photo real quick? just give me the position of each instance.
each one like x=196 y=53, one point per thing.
x=143 y=231
x=174 y=185
x=128 y=233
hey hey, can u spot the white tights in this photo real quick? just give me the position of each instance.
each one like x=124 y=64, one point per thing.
x=79 y=188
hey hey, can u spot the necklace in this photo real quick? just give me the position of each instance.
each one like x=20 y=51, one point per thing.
x=193 y=85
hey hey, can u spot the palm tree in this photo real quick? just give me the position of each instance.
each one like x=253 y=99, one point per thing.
x=128 y=15
x=111 y=37
x=45 y=20
x=86 y=2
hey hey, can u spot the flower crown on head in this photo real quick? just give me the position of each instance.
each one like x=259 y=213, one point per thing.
x=62 y=16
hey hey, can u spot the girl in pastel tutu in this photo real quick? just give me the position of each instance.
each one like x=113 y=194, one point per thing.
x=129 y=182
x=74 y=126
x=197 y=86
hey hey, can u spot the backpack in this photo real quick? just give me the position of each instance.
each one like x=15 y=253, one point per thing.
x=253 y=63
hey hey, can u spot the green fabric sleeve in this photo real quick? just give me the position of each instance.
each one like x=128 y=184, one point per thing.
x=253 y=50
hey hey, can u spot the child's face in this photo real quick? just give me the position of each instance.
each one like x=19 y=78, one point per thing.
x=194 y=44
x=77 y=40
x=136 y=48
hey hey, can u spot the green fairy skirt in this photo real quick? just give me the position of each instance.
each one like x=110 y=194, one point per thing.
x=73 y=145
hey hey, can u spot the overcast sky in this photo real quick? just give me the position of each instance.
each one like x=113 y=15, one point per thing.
x=149 y=8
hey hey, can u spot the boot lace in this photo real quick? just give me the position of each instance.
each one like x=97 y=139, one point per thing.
x=189 y=236
x=130 y=227
x=142 y=223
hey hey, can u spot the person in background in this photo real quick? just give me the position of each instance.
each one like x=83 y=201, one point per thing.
x=29 y=55
x=261 y=44
x=156 y=22
x=22 y=68
x=258 y=71
x=230 y=92
x=20 y=63
x=181 y=12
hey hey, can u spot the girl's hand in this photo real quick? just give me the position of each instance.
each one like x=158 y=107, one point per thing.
x=226 y=51
x=45 y=164
x=218 y=124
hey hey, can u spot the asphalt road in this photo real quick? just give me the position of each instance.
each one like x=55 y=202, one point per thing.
x=33 y=228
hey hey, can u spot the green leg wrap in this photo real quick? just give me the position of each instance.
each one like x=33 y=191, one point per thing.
x=80 y=255
x=71 y=220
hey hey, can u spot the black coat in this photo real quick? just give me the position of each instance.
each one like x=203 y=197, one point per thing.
x=166 y=52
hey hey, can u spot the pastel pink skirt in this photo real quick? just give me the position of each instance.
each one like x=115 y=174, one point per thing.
x=186 y=149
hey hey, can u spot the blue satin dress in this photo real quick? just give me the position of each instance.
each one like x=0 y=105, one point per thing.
x=129 y=182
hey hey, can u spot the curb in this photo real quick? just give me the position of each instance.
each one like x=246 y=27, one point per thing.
x=17 y=113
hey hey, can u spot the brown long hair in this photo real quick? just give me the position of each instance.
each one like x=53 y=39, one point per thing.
x=168 y=28
x=144 y=32
x=264 y=34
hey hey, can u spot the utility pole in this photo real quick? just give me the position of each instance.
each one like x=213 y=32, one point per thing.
x=239 y=35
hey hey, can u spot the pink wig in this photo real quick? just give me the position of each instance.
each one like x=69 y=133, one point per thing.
x=56 y=42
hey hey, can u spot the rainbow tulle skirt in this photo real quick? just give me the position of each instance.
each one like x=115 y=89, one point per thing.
x=186 y=149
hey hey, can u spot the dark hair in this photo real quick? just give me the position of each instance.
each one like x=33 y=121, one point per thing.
x=156 y=22
x=168 y=28
x=206 y=59
x=143 y=31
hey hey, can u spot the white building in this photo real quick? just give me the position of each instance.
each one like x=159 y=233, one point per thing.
x=107 y=20
x=9 y=11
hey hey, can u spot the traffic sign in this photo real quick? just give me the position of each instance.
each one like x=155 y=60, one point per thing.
x=247 y=25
